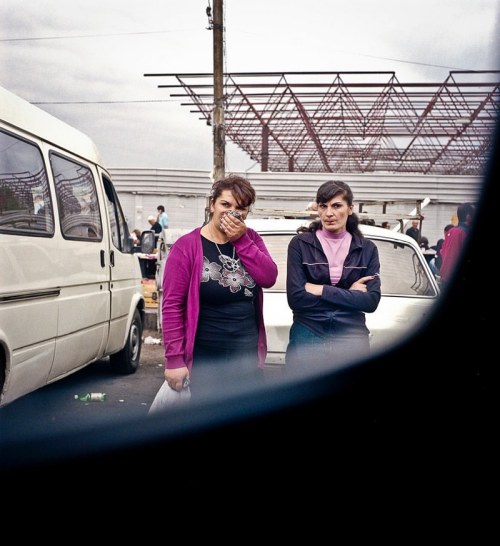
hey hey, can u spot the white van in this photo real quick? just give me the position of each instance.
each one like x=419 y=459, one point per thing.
x=70 y=286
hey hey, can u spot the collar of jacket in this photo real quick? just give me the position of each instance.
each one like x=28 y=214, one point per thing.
x=310 y=238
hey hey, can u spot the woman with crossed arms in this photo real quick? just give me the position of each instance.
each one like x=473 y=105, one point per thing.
x=333 y=279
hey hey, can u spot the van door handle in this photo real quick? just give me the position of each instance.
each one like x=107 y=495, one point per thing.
x=103 y=263
x=112 y=258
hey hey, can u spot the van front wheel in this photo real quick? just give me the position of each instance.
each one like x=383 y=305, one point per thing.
x=126 y=361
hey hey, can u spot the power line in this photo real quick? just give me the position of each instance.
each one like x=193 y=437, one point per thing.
x=38 y=103
x=104 y=35
x=406 y=62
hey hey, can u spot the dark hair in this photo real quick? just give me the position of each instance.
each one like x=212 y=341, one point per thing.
x=239 y=186
x=424 y=242
x=160 y=208
x=327 y=191
x=447 y=227
x=464 y=210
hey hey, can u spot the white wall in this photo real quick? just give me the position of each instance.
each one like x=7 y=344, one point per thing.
x=184 y=194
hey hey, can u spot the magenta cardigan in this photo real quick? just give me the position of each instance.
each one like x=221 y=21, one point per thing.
x=181 y=292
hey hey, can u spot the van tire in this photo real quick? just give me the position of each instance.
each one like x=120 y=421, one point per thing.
x=126 y=361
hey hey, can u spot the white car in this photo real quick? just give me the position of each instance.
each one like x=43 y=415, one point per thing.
x=409 y=288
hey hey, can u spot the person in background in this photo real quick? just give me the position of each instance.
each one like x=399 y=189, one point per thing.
x=455 y=240
x=333 y=279
x=386 y=225
x=162 y=217
x=39 y=207
x=155 y=225
x=413 y=231
x=424 y=244
x=435 y=263
x=136 y=236
x=427 y=251
x=212 y=306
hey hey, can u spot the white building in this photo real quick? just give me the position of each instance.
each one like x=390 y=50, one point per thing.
x=184 y=194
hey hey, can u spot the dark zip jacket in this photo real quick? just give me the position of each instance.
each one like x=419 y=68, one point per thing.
x=339 y=310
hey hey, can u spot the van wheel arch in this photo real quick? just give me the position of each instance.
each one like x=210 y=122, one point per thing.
x=126 y=361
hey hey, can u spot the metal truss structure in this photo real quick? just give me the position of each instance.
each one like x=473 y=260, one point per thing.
x=354 y=122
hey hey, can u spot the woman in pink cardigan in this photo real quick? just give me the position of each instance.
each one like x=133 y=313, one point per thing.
x=212 y=319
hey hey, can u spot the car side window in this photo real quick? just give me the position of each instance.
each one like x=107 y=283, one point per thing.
x=402 y=271
x=77 y=199
x=277 y=246
x=25 y=202
x=120 y=235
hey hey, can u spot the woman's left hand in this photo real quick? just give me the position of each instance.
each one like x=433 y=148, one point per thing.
x=360 y=284
x=233 y=227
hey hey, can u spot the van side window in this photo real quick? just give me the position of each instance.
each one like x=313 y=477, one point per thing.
x=120 y=234
x=77 y=200
x=25 y=202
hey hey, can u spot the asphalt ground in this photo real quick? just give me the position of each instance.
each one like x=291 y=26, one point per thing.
x=53 y=408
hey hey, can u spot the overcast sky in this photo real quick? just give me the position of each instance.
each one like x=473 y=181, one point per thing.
x=93 y=55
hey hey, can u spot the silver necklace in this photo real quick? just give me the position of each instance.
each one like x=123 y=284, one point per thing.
x=228 y=263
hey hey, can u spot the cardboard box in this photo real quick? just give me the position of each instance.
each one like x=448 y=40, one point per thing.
x=150 y=293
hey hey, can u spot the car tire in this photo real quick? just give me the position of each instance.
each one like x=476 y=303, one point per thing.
x=126 y=361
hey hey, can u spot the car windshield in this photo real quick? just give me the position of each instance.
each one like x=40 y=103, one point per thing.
x=400 y=100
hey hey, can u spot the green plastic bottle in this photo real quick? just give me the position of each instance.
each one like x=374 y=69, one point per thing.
x=91 y=397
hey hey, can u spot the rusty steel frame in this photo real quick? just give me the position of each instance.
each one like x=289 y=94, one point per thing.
x=354 y=122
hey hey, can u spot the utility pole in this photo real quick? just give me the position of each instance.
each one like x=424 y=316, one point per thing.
x=219 y=134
